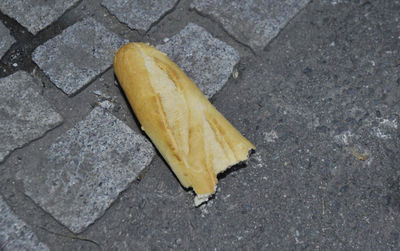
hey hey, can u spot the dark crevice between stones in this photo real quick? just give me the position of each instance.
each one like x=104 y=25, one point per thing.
x=32 y=141
x=20 y=53
x=203 y=15
x=140 y=34
x=69 y=234
x=162 y=17
x=300 y=11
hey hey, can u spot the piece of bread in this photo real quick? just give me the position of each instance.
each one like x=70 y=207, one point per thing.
x=193 y=137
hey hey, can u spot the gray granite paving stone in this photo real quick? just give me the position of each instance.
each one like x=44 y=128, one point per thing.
x=139 y=14
x=24 y=114
x=35 y=15
x=6 y=39
x=15 y=234
x=252 y=22
x=208 y=61
x=86 y=168
x=76 y=56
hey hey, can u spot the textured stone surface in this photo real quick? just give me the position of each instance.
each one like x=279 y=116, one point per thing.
x=139 y=14
x=6 y=39
x=86 y=168
x=15 y=235
x=207 y=60
x=253 y=22
x=76 y=56
x=35 y=15
x=24 y=114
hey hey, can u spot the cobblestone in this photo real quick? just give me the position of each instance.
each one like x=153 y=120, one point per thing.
x=253 y=22
x=6 y=39
x=25 y=115
x=15 y=234
x=79 y=54
x=208 y=61
x=35 y=15
x=139 y=15
x=86 y=168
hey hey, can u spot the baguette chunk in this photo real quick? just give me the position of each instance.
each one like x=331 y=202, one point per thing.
x=193 y=137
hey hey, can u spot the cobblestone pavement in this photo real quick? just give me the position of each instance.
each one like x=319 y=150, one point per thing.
x=315 y=85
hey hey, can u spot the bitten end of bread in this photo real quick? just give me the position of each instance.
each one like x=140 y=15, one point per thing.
x=200 y=199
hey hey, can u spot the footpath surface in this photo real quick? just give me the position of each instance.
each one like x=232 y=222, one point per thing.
x=315 y=85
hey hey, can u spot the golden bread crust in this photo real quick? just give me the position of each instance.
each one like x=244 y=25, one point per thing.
x=193 y=137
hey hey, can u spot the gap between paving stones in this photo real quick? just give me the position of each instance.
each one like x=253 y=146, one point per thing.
x=15 y=234
x=233 y=38
x=287 y=24
x=262 y=25
x=68 y=233
x=136 y=14
x=35 y=18
x=29 y=143
x=20 y=95
x=210 y=21
x=163 y=17
x=69 y=236
x=21 y=51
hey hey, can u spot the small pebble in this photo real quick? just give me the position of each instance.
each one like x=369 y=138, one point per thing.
x=235 y=74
